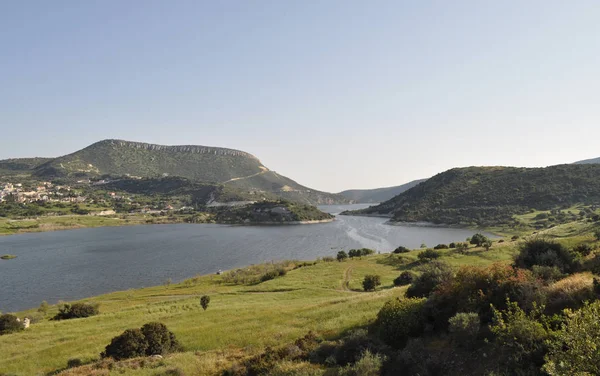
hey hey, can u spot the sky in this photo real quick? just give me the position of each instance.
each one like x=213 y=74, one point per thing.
x=335 y=94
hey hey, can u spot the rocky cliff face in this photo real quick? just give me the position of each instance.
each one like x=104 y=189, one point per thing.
x=179 y=148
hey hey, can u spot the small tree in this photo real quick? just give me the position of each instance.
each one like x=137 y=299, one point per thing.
x=371 y=282
x=43 y=309
x=342 y=256
x=204 y=301
x=405 y=278
x=478 y=239
x=423 y=245
x=9 y=324
x=401 y=249
x=487 y=245
x=130 y=344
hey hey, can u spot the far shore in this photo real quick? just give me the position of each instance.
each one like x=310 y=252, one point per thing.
x=75 y=222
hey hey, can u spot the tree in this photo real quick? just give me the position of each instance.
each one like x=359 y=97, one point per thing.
x=433 y=274
x=575 y=350
x=130 y=344
x=487 y=244
x=400 y=319
x=405 y=278
x=10 y=324
x=43 y=309
x=371 y=282
x=401 y=249
x=478 y=239
x=76 y=310
x=428 y=255
x=160 y=340
x=342 y=256
x=204 y=301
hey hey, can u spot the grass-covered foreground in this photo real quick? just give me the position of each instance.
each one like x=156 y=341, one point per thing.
x=326 y=297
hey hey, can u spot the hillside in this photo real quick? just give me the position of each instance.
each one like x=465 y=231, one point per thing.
x=589 y=161
x=378 y=194
x=271 y=213
x=492 y=195
x=18 y=166
x=233 y=168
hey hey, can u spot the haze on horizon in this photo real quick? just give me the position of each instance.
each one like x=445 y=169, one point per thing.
x=336 y=95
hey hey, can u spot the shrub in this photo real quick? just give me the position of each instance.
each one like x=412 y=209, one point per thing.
x=546 y=253
x=583 y=249
x=464 y=328
x=575 y=349
x=452 y=245
x=515 y=237
x=405 y=278
x=371 y=282
x=432 y=275
x=271 y=274
x=487 y=244
x=441 y=246
x=400 y=319
x=570 y=292
x=354 y=345
x=73 y=363
x=368 y=365
x=401 y=249
x=204 y=301
x=342 y=256
x=130 y=344
x=474 y=289
x=597 y=234
x=327 y=259
x=522 y=337
x=428 y=255
x=76 y=310
x=360 y=252
x=152 y=339
x=9 y=324
x=43 y=309
x=478 y=239
x=160 y=340
x=548 y=274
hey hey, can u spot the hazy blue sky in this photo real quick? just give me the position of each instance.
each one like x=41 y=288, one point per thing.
x=335 y=94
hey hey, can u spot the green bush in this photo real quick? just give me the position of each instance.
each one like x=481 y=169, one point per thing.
x=400 y=319
x=452 y=245
x=429 y=255
x=160 y=340
x=548 y=274
x=464 y=328
x=597 y=234
x=441 y=246
x=478 y=239
x=9 y=324
x=360 y=252
x=522 y=339
x=368 y=365
x=354 y=345
x=76 y=310
x=583 y=249
x=74 y=363
x=544 y=252
x=575 y=348
x=405 y=278
x=432 y=275
x=130 y=344
x=342 y=256
x=204 y=301
x=152 y=339
x=371 y=282
x=401 y=249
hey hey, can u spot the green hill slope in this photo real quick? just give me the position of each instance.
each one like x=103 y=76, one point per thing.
x=492 y=195
x=378 y=194
x=232 y=168
x=18 y=166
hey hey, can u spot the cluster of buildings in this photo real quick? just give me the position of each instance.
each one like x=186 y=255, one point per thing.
x=44 y=191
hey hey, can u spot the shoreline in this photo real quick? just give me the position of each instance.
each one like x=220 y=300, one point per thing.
x=135 y=221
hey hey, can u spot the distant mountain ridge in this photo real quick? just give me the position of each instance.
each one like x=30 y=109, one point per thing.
x=492 y=195
x=378 y=194
x=589 y=161
x=236 y=169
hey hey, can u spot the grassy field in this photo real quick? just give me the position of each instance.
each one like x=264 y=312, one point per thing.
x=326 y=297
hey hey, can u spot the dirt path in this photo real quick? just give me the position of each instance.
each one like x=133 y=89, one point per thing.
x=346 y=280
x=264 y=170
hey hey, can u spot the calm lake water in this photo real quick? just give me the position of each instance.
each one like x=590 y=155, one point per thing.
x=69 y=265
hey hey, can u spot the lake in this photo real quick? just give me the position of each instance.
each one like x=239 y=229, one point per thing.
x=74 y=264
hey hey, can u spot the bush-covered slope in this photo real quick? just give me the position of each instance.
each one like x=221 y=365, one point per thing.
x=271 y=212
x=20 y=165
x=378 y=194
x=491 y=195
